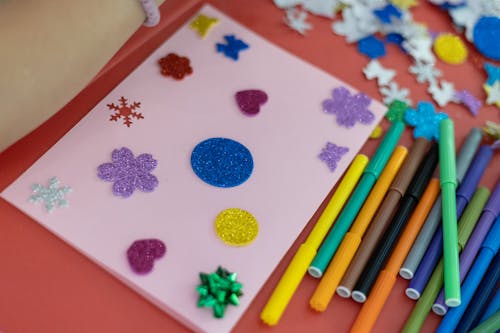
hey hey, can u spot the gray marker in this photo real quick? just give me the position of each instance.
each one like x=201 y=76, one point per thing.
x=464 y=159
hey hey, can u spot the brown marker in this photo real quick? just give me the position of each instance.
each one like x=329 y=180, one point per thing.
x=383 y=216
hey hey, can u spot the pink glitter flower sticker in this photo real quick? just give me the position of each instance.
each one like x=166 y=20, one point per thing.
x=128 y=173
x=349 y=109
x=331 y=155
x=142 y=254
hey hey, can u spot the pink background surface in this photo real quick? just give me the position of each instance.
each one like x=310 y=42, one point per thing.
x=47 y=286
x=283 y=191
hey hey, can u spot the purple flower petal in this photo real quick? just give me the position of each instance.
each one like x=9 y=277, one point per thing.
x=122 y=155
x=146 y=182
x=146 y=162
x=107 y=172
x=124 y=187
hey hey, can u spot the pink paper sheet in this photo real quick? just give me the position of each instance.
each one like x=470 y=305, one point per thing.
x=287 y=185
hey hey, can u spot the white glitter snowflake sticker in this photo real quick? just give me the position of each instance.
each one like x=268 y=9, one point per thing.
x=392 y=92
x=52 y=195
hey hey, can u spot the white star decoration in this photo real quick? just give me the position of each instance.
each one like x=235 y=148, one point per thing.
x=392 y=93
x=296 y=20
x=444 y=94
x=493 y=94
x=424 y=72
x=375 y=70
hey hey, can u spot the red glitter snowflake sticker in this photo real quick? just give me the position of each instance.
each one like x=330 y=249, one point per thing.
x=175 y=66
x=125 y=111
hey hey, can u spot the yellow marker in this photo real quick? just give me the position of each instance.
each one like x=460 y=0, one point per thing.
x=297 y=268
x=450 y=49
x=347 y=249
x=405 y=4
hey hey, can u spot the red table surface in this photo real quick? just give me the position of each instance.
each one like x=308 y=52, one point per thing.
x=47 y=286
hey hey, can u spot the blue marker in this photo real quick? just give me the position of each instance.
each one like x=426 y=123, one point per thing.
x=488 y=251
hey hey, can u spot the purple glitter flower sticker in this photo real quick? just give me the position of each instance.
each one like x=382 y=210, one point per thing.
x=331 y=155
x=128 y=173
x=142 y=254
x=349 y=109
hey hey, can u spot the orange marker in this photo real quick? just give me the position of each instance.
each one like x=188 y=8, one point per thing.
x=387 y=278
x=347 y=249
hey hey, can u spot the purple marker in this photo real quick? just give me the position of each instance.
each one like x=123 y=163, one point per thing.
x=488 y=216
x=435 y=249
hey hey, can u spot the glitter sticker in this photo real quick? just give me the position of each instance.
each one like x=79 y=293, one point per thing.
x=202 y=24
x=375 y=70
x=493 y=93
x=492 y=130
x=142 y=254
x=371 y=47
x=425 y=120
x=236 y=227
x=222 y=162
x=250 y=101
x=218 y=290
x=232 y=48
x=486 y=35
x=128 y=173
x=331 y=155
x=493 y=73
x=175 y=66
x=450 y=49
x=52 y=195
x=425 y=72
x=470 y=101
x=392 y=92
x=376 y=133
x=349 y=109
x=387 y=13
x=125 y=111
x=442 y=93
x=397 y=110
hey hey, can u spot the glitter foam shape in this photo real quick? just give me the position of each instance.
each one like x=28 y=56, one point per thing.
x=222 y=162
x=349 y=109
x=142 y=254
x=236 y=227
x=331 y=155
x=128 y=173
x=51 y=195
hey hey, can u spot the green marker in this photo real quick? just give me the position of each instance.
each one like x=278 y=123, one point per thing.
x=448 y=178
x=358 y=197
x=465 y=227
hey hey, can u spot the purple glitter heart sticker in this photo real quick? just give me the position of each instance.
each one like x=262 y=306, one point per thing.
x=142 y=254
x=250 y=101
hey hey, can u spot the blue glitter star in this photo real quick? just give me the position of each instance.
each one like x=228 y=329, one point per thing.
x=385 y=14
x=425 y=120
x=331 y=155
x=493 y=73
x=372 y=47
x=232 y=48
x=52 y=195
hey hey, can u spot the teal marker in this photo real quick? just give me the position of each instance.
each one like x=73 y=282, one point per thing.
x=358 y=197
x=448 y=179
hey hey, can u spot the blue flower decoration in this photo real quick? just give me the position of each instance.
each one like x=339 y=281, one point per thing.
x=425 y=120
x=372 y=47
x=386 y=13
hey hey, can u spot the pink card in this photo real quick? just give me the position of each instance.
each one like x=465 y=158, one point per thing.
x=286 y=185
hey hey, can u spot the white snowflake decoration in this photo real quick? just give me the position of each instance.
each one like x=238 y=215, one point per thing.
x=444 y=94
x=375 y=70
x=392 y=92
x=287 y=3
x=52 y=195
x=296 y=20
x=425 y=72
x=420 y=48
x=358 y=22
x=324 y=8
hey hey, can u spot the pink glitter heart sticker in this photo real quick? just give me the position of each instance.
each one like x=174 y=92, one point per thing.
x=250 y=101
x=142 y=254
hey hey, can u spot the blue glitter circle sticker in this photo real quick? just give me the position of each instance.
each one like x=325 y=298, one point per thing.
x=486 y=35
x=222 y=162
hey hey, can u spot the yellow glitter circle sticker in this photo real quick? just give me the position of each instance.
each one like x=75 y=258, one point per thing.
x=377 y=132
x=236 y=227
x=450 y=49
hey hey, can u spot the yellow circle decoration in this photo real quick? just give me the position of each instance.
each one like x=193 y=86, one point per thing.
x=450 y=49
x=236 y=227
x=377 y=132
